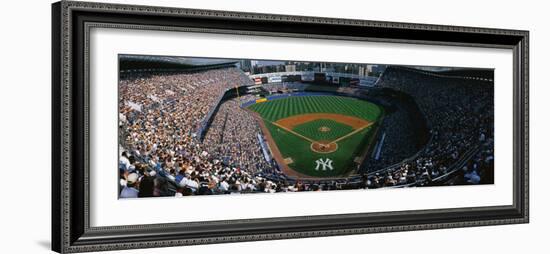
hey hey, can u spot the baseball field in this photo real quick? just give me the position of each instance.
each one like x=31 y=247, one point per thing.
x=318 y=135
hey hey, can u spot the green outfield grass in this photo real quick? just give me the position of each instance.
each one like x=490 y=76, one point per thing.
x=294 y=105
x=299 y=149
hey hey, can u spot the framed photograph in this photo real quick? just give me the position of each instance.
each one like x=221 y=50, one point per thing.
x=182 y=126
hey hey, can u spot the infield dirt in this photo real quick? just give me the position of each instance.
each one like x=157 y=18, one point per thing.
x=293 y=121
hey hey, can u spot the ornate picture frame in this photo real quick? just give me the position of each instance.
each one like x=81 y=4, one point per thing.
x=71 y=24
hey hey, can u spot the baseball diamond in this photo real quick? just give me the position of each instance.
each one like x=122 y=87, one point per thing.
x=318 y=135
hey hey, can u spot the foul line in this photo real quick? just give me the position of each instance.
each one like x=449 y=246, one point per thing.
x=350 y=134
x=293 y=132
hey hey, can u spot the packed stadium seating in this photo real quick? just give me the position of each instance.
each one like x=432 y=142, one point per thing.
x=162 y=114
x=159 y=119
x=460 y=114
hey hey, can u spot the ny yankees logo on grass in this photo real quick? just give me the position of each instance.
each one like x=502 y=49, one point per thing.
x=324 y=164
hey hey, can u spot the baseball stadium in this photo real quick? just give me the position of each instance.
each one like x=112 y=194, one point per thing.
x=202 y=126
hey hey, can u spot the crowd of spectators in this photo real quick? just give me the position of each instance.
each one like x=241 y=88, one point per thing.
x=160 y=154
x=460 y=114
x=398 y=142
x=159 y=118
x=233 y=136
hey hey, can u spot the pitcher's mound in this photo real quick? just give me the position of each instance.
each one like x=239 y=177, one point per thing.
x=324 y=129
x=324 y=147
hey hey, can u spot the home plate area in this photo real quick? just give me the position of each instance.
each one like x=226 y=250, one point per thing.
x=324 y=146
